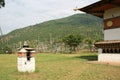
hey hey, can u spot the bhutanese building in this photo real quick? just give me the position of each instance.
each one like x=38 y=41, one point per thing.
x=109 y=10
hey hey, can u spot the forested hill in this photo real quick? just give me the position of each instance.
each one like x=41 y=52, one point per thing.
x=83 y=24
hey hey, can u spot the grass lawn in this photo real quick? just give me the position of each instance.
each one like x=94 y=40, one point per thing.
x=59 y=67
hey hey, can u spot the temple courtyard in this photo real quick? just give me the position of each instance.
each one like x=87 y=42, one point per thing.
x=60 y=67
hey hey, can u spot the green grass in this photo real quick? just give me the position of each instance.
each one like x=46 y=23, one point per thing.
x=59 y=67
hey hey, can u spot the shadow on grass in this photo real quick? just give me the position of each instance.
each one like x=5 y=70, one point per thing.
x=88 y=57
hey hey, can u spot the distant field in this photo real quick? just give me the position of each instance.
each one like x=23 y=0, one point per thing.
x=59 y=67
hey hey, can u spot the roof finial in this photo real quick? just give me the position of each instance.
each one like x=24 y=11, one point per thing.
x=75 y=9
x=25 y=45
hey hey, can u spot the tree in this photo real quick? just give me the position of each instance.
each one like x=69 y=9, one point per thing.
x=7 y=49
x=89 y=42
x=72 y=41
x=2 y=3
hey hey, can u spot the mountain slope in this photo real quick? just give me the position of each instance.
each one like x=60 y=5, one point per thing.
x=83 y=24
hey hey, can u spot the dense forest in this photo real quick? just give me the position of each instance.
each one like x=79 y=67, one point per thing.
x=48 y=35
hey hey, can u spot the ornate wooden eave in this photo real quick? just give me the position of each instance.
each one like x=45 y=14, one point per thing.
x=99 y=7
x=108 y=44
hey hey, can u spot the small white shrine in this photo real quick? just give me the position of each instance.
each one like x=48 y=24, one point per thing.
x=26 y=59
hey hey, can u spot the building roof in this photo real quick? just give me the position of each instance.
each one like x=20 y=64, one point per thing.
x=23 y=50
x=29 y=49
x=99 y=7
x=2 y=3
x=108 y=42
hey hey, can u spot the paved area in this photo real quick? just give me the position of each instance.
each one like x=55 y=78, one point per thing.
x=108 y=63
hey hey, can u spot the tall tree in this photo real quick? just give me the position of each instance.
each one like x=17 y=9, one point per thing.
x=72 y=41
x=2 y=3
x=89 y=42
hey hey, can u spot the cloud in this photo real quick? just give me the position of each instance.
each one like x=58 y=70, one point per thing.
x=21 y=13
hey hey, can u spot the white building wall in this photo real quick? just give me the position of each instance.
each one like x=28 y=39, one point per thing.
x=21 y=64
x=107 y=57
x=26 y=66
x=112 y=34
x=115 y=12
x=30 y=66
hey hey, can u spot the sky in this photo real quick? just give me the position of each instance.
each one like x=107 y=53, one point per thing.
x=22 y=13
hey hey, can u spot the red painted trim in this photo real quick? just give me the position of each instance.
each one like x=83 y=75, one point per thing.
x=115 y=23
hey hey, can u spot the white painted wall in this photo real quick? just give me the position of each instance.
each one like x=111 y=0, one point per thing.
x=30 y=66
x=99 y=51
x=112 y=34
x=115 y=12
x=26 y=66
x=109 y=57
x=21 y=64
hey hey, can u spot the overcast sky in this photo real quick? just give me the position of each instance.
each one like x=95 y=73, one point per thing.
x=22 y=13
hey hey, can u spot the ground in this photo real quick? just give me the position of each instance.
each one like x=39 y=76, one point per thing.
x=59 y=67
